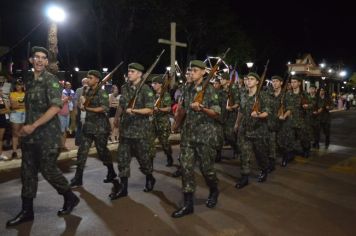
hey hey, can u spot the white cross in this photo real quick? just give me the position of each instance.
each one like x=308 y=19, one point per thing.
x=173 y=44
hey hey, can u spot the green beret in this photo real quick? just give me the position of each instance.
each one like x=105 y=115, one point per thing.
x=136 y=66
x=277 y=77
x=312 y=85
x=255 y=75
x=158 y=79
x=96 y=73
x=39 y=49
x=297 y=78
x=225 y=76
x=197 y=63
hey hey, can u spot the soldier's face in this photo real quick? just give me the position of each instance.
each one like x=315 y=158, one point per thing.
x=252 y=82
x=92 y=80
x=39 y=61
x=312 y=90
x=295 y=84
x=197 y=73
x=217 y=85
x=322 y=92
x=156 y=86
x=245 y=81
x=133 y=75
x=276 y=83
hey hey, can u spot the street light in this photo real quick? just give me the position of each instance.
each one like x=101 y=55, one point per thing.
x=56 y=13
x=105 y=69
x=342 y=73
x=322 y=65
x=76 y=69
x=249 y=65
x=292 y=72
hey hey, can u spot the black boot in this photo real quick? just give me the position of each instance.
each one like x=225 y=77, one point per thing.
x=188 y=207
x=111 y=175
x=169 y=160
x=213 y=197
x=77 y=181
x=242 y=182
x=177 y=173
x=119 y=189
x=70 y=201
x=150 y=183
x=26 y=214
x=263 y=176
x=218 y=156
x=284 y=162
x=271 y=165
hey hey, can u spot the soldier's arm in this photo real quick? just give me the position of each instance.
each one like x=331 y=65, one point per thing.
x=166 y=104
x=214 y=110
x=149 y=104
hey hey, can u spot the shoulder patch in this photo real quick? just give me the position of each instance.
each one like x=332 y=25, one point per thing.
x=55 y=85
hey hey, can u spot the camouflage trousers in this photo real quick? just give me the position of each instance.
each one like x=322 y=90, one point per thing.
x=231 y=137
x=253 y=147
x=162 y=133
x=274 y=149
x=205 y=155
x=40 y=158
x=139 y=148
x=100 y=141
x=302 y=137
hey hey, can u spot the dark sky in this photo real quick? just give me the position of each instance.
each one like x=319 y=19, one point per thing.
x=291 y=28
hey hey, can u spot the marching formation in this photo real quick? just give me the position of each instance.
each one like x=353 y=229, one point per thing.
x=265 y=123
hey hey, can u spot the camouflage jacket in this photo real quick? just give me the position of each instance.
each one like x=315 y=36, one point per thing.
x=41 y=94
x=253 y=127
x=95 y=122
x=294 y=105
x=136 y=126
x=275 y=103
x=198 y=127
x=162 y=118
x=228 y=117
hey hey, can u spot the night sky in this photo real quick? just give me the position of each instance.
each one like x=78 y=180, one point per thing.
x=283 y=31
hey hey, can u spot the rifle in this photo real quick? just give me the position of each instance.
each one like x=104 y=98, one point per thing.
x=102 y=82
x=282 y=109
x=167 y=80
x=230 y=98
x=200 y=95
x=256 y=105
x=132 y=101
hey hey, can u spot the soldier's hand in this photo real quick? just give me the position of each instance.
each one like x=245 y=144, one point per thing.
x=156 y=109
x=27 y=129
x=305 y=106
x=196 y=106
x=254 y=114
x=229 y=108
x=129 y=111
x=282 y=117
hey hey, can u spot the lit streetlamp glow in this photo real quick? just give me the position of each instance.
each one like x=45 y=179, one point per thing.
x=342 y=73
x=292 y=72
x=249 y=64
x=322 y=65
x=56 y=13
x=330 y=70
x=105 y=69
x=76 y=69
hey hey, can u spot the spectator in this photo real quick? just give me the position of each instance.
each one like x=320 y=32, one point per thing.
x=17 y=115
x=63 y=115
x=69 y=92
x=4 y=109
x=113 y=104
x=80 y=118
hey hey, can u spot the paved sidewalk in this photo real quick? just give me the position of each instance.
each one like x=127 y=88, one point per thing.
x=16 y=163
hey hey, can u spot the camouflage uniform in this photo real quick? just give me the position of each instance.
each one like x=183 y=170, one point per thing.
x=313 y=119
x=135 y=131
x=228 y=118
x=274 y=125
x=40 y=149
x=199 y=140
x=253 y=133
x=162 y=125
x=96 y=128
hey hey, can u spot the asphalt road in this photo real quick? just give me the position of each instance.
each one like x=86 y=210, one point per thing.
x=314 y=196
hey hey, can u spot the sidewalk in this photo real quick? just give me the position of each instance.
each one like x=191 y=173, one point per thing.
x=72 y=153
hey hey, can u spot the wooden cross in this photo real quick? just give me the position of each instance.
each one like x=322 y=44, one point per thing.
x=173 y=44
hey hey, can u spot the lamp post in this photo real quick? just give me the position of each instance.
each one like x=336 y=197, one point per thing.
x=56 y=15
x=249 y=65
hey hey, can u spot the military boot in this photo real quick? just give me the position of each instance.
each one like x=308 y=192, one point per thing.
x=169 y=160
x=150 y=183
x=218 y=156
x=111 y=175
x=70 y=201
x=119 y=189
x=77 y=181
x=263 y=176
x=26 y=213
x=242 y=182
x=187 y=208
x=213 y=197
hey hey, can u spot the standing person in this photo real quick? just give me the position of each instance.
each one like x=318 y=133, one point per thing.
x=80 y=118
x=135 y=130
x=253 y=131
x=200 y=138
x=41 y=138
x=324 y=105
x=17 y=114
x=218 y=123
x=161 y=123
x=69 y=92
x=95 y=129
x=64 y=117
x=4 y=109
x=113 y=104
